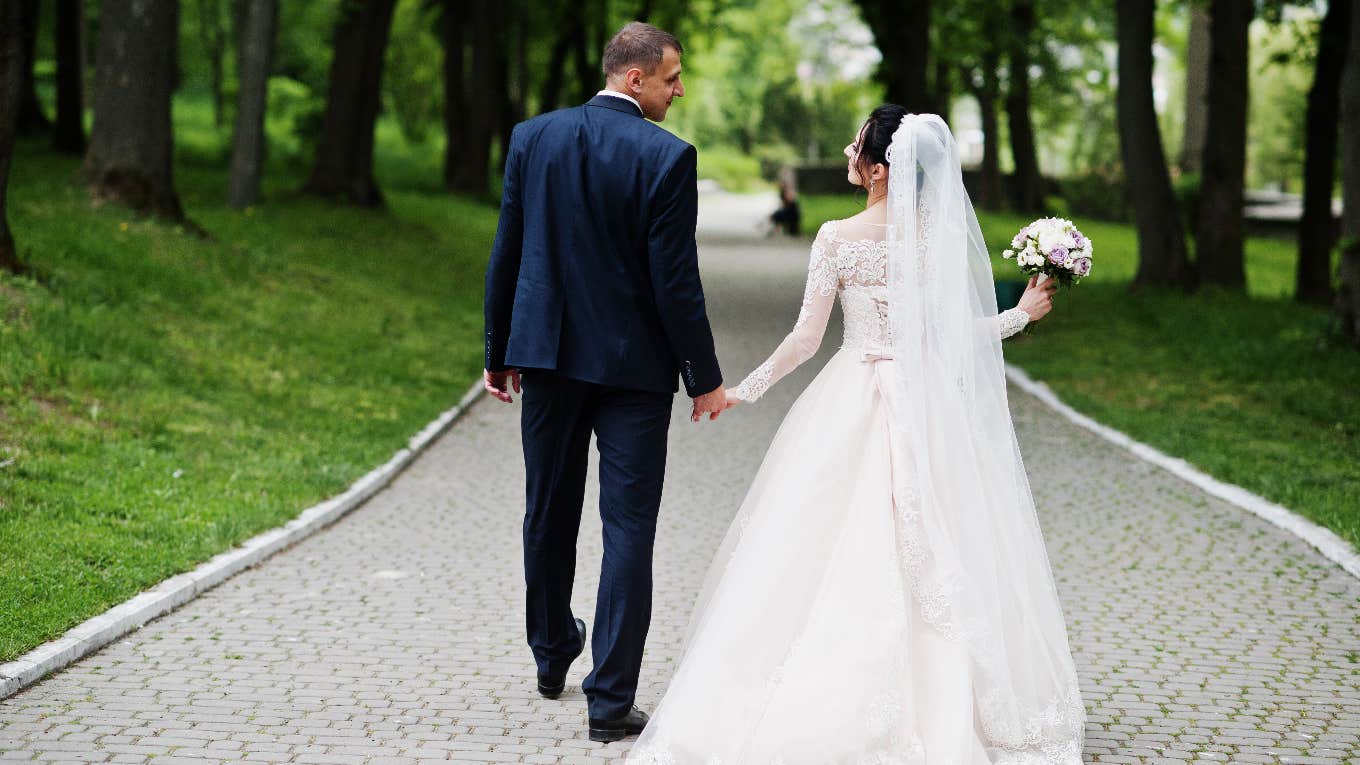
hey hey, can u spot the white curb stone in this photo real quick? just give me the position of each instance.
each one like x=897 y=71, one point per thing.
x=1333 y=547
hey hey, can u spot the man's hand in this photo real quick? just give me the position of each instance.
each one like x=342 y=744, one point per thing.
x=497 y=383
x=1038 y=298
x=711 y=404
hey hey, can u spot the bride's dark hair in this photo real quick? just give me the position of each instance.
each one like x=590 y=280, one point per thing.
x=876 y=137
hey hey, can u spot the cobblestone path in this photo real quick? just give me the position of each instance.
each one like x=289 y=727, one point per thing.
x=1201 y=633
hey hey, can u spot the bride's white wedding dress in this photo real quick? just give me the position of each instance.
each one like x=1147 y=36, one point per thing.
x=877 y=598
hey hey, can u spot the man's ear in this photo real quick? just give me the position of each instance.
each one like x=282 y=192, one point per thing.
x=633 y=79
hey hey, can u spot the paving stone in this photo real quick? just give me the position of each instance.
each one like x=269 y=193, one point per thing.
x=1202 y=634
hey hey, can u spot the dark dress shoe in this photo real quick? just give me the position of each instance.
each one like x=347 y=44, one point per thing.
x=630 y=724
x=552 y=686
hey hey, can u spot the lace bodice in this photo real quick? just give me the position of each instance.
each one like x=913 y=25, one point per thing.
x=853 y=265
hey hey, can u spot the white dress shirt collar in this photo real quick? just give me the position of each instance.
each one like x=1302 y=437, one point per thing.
x=624 y=96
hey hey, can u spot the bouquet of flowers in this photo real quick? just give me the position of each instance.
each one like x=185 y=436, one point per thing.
x=1052 y=247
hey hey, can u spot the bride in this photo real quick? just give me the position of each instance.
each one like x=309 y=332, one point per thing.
x=884 y=594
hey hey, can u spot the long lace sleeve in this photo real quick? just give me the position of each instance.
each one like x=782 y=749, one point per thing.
x=1011 y=321
x=801 y=344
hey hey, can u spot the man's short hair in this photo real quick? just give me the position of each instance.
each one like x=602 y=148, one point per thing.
x=639 y=45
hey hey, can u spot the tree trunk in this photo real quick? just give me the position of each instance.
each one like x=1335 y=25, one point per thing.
x=452 y=30
x=1162 y=257
x=942 y=88
x=511 y=86
x=472 y=161
x=551 y=98
x=131 y=151
x=990 y=196
x=1196 y=90
x=31 y=117
x=68 y=135
x=213 y=37
x=256 y=24
x=1317 y=230
x=1027 y=195
x=586 y=83
x=11 y=81
x=1348 y=296
x=344 y=154
x=1218 y=239
x=902 y=30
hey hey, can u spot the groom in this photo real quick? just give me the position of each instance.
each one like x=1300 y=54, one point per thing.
x=593 y=303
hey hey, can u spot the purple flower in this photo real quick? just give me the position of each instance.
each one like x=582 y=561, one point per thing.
x=1082 y=267
x=1058 y=255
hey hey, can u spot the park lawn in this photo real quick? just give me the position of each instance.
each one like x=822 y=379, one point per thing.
x=1249 y=388
x=164 y=397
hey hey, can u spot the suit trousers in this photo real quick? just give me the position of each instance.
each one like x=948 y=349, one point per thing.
x=558 y=416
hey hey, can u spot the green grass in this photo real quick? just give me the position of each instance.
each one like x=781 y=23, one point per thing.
x=1249 y=388
x=164 y=397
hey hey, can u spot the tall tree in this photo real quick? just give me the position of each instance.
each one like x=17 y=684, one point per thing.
x=453 y=37
x=212 y=35
x=256 y=21
x=131 y=151
x=902 y=30
x=1027 y=192
x=1348 y=296
x=985 y=88
x=1196 y=89
x=68 y=135
x=551 y=95
x=31 y=117
x=1317 y=235
x=1219 y=230
x=11 y=80
x=344 y=154
x=1162 y=257
x=472 y=159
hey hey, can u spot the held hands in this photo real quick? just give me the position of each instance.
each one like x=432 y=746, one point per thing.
x=712 y=404
x=498 y=383
x=1038 y=298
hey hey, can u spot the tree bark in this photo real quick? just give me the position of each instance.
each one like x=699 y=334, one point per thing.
x=32 y=120
x=68 y=134
x=256 y=24
x=1317 y=230
x=511 y=82
x=1027 y=194
x=1162 y=258
x=586 y=83
x=902 y=29
x=472 y=159
x=131 y=150
x=452 y=32
x=11 y=81
x=213 y=37
x=344 y=154
x=1219 y=234
x=1348 y=296
x=551 y=97
x=990 y=196
x=1196 y=90
x=942 y=87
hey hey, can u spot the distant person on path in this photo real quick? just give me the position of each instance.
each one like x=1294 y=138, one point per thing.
x=594 y=306
x=789 y=217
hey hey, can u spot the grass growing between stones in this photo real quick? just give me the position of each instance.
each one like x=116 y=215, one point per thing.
x=164 y=397
x=1248 y=388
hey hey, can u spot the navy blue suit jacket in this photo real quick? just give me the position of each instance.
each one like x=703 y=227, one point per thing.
x=594 y=272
